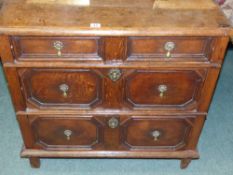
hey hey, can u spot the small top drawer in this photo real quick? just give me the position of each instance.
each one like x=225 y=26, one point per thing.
x=169 y=48
x=60 y=48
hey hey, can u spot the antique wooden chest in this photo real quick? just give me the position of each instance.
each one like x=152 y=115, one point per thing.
x=112 y=79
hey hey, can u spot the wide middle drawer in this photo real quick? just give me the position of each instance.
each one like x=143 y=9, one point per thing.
x=112 y=88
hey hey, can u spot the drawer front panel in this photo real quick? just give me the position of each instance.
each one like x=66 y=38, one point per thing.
x=61 y=48
x=62 y=87
x=173 y=89
x=64 y=133
x=112 y=132
x=156 y=133
x=172 y=48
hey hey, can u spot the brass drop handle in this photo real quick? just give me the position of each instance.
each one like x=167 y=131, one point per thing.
x=169 y=46
x=68 y=134
x=162 y=89
x=114 y=74
x=113 y=123
x=64 y=88
x=156 y=134
x=58 y=45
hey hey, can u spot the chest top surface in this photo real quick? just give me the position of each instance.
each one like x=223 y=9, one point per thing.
x=112 y=17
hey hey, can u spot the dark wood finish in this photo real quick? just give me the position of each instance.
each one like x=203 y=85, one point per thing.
x=152 y=48
x=113 y=94
x=196 y=132
x=112 y=135
x=219 y=49
x=93 y=88
x=5 y=50
x=182 y=88
x=189 y=91
x=113 y=112
x=43 y=87
x=114 y=49
x=34 y=162
x=50 y=132
x=26 y=131
x=111 y=154
x=172 y=133
x=132 y=64
x=208 y=89
x=185 y=163
x=15 y=89
x=111 y=64
x=42 y=48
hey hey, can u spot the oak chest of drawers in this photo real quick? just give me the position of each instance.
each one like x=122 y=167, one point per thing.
x=104 y=80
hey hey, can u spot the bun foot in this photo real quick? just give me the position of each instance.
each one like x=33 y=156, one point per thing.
x=34 y=162
x=185 y=163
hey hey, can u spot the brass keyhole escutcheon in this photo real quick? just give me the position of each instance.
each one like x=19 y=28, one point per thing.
x=113 y=123
x=114 y=74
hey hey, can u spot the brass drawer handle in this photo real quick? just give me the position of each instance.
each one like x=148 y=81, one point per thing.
x=113 y=123
x=114 y=74
x=162 y=89
x=64 y=88
x=58 y=45
x=169 y=46
x=68 y=134
x=156 y=134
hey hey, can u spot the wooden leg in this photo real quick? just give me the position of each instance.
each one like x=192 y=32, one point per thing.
x=34 y=162
x=185 y=163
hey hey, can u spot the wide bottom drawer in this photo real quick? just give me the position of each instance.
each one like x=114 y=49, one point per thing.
x=65 y=132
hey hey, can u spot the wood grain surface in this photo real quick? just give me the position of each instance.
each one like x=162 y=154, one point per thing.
x=113 y=89
x=133 y=18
